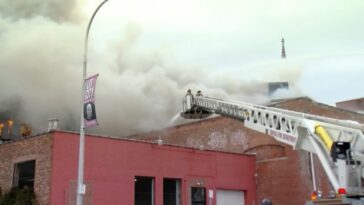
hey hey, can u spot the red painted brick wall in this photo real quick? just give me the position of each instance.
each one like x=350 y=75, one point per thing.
x=36 y=148
x=112 y=164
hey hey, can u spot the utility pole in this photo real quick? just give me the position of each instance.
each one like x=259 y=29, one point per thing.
x=81 y=187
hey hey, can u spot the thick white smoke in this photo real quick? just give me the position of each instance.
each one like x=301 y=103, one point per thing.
x=138 y=89
x=59 y=11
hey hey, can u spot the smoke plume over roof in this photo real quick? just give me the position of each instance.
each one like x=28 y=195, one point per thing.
x=140 y=87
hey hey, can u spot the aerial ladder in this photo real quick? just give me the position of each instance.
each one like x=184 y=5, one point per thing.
x=338 y=144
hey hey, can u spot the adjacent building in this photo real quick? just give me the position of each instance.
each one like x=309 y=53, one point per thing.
x=283 y=175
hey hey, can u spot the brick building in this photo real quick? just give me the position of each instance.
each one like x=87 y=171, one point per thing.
x=355 y=105
x=282 y=174
x=125 y=171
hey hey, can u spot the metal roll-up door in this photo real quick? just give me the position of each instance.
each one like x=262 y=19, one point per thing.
x=229 y=197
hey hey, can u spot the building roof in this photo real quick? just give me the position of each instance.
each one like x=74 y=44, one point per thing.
x=307 y=105
x=352 y=100
x=211 y=131
x=355 y=105
x=131 y=138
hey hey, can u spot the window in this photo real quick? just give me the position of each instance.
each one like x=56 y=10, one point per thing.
x=24 y=173
x=144 y=191
x=198 y=196
x=171 y=191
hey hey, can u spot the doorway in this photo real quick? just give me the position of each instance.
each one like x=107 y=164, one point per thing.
x=171 y=191
x=143 y=191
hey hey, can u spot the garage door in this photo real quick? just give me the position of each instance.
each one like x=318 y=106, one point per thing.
x=229 y=197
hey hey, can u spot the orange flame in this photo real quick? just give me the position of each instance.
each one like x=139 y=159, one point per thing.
x=10 y=123
x=1 y=128
x=25 y=130
x=10 y=126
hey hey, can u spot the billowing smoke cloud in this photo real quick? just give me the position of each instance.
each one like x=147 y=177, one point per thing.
x=138 y=89
x=10 y=108
x=65 y=10
x=40 y=46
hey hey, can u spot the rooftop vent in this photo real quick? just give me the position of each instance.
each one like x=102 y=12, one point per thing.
x=52 y=124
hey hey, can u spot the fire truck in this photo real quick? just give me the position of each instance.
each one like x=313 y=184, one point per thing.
x=338 y=144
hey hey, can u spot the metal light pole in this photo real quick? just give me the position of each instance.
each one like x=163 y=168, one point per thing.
x=81 y=188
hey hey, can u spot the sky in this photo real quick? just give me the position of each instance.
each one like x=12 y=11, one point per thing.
x=323 y=39
x=149 y=52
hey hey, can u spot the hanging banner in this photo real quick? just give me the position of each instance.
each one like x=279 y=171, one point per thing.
x=89 y=110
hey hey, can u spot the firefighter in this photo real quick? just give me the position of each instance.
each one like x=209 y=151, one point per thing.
x=199 y=93
x=189 y=92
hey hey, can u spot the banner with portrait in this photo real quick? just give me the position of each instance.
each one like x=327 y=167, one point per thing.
x=89 y=109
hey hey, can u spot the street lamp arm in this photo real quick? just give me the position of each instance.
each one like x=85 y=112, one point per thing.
x=86 y=38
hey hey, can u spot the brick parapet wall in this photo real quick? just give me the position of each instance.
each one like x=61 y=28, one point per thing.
x=37 y=148
x=220 y=133
x=356 y=105
x=308 y=106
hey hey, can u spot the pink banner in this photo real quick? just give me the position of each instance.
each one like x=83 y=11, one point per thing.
x=89 y=110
